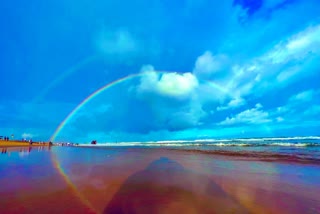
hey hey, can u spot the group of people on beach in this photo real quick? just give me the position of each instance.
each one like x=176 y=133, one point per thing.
x=5 y=138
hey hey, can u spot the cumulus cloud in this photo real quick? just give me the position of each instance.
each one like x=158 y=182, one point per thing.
x=175 y=104
x=286 y=62
x=169 y=84
x=250 y=116
x=174 y=84
x=237 y=80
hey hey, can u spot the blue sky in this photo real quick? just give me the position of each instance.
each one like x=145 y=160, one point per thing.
x=239 y=68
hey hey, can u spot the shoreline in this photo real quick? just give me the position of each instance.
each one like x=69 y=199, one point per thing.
x=236 y=155
x=141 y=180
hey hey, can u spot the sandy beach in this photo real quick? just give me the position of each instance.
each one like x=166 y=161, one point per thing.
x=16 y=143
x=127 y=180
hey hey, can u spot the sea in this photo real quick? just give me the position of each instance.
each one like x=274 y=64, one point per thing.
x=293 y=148
x=254 y=175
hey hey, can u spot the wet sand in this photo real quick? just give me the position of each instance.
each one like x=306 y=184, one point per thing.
x=131 y=180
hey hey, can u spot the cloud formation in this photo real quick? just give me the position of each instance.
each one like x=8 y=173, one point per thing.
x=250 y=116
x=169 y=84
x=222 y=59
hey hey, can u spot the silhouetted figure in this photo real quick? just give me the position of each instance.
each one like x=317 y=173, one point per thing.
x=165 y=186
x=94 y=142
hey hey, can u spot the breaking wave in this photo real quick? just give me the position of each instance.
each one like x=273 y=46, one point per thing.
x=311 y=141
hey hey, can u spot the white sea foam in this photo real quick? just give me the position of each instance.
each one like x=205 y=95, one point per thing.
x=283 y=141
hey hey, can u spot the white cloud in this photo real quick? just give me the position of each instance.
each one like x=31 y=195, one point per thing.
x=27 y=135
x=284 y=63
x=297 y=47
x=206 y=65
x=167 y=84
x=174 y=84
x=234 y=103
x=250 y=116
x=298 y=105
x=287 y=74
x=184 y=111
x=258 y=106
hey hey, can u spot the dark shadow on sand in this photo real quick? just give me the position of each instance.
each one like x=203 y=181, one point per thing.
x=165 y=186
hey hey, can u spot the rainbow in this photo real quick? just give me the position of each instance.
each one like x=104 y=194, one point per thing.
x=74 y=189
x=108 y=86
x=64 y=75
x=57 y=165
x=86 y=100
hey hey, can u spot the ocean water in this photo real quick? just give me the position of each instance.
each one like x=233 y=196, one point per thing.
x=295 y=148
x=167 y=178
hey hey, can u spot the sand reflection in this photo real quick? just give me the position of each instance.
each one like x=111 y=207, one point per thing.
x=165 y=186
